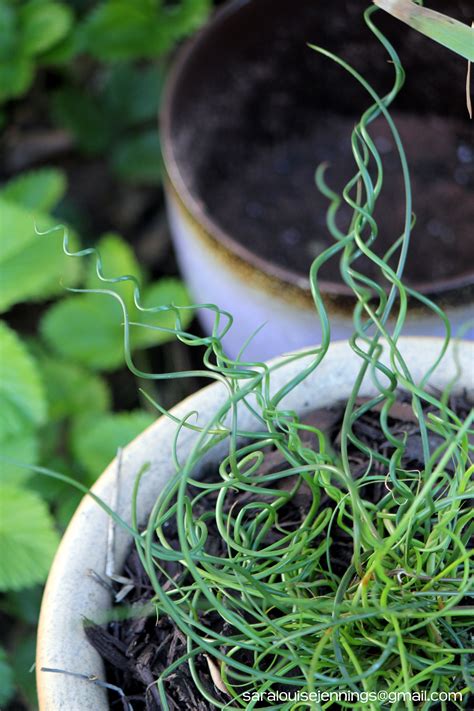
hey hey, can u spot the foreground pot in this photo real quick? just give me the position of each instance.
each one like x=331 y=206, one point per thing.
x=246 y=87
x=72 y=594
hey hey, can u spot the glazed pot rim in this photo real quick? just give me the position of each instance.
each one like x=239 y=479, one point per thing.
x=70 y=587
x=194 y=205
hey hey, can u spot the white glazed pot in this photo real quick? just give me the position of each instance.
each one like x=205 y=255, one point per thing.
x=71 y=593
x=218 y=267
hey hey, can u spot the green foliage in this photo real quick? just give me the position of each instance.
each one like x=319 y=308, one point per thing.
x=23 y=447
x=138 y=159
x=119 y=29
x=455 y=35
x=6 y=678
x=40 y=189
x=95 y=440
x=42 y=25
x=27 y=31
x=23 y=398
x=31 y=265
x=71 y=389
x=88 y=327
x=118 y=118
x=28 y=538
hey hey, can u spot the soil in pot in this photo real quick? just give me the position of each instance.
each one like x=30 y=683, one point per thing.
x=251 y=136
x=138 y=649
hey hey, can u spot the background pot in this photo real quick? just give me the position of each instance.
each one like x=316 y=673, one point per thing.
x=247 y=86
x=72 y=593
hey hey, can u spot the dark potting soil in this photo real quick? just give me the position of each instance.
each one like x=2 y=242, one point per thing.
x=137 y=650
x=257 y=110
x=265 y=195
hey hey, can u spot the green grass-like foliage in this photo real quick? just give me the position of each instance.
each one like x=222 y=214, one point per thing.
x=397 y=619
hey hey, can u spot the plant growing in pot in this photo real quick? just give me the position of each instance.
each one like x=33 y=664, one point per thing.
x=249 y=112
x=303 y=542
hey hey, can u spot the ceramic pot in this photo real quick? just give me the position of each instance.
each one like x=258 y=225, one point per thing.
x=73 y=594
x=245 y=102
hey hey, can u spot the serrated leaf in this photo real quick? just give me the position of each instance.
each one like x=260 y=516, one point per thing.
x=28 y=539
x=162 y=293
x=24 y=604
x=8 y=29
x=37 y=189
x=186 y=17
x=16 y=76
x=32 y=266
x=6 y=678
x=95 y=440
x=132 y=93
x=83 y=116
x=72 y=390
x=138 y=160
x=42 y=25
x=87 y=329
x=118 y=259
x=21 y=390
x=23 y=447
x=119 y=29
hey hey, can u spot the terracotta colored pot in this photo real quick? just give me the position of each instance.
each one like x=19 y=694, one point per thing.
x=231 y=57
x=72 y=594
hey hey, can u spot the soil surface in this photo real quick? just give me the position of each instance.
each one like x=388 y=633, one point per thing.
x=278 y=213
x=137 y=650
x=249 y=131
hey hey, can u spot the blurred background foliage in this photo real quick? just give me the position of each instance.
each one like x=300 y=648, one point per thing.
x=80 y=87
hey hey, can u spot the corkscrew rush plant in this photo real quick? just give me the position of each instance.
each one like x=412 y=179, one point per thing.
x=269 y=609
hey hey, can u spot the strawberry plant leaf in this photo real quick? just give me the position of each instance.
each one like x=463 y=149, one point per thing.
x=95 y=441
x=22 y=393
x=36 y=189
x=23 y=447
x=118 y=259
x=6 y=678
x=164 y=292
x=82 y=115
x=71 y=389
x=42 y=25
x=31 y=265
x=138 y=159
x=28 y=539
x=87 y=329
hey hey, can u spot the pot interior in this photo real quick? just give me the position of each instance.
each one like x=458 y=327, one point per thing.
x=253 y=111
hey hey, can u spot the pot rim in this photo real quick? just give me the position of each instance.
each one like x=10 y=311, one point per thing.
x=195 y=206
x=61 y=640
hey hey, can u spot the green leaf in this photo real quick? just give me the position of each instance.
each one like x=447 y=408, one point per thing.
x=28 y=539
x=449 y=32
x=16 y=76
x=87 y=329
x=138 y=159
x=186 y=17
x=6 y=678
x=120 y=29
x=24 y=605
x=42 y=25
x=161 y=293
x=83 y=116
x=23 y=447
x=22 y=394
x=95 y=440
x=8 y=29
x=132 y=93
x=71 y=389
x=37 y=189
x=23 y=658
x=118 y=259
x=32 y=266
